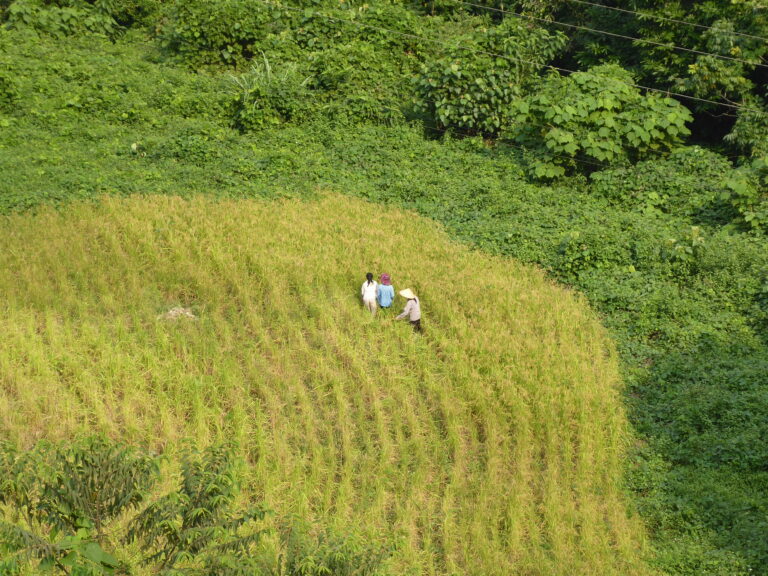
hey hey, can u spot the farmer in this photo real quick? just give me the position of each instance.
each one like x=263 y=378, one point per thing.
x=369 y=290
x=412 y=309
x=386 y=292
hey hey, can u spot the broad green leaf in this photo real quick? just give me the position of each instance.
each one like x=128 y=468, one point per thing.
x=93 y=552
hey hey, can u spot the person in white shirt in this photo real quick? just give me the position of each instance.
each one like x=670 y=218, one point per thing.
x=369 y=292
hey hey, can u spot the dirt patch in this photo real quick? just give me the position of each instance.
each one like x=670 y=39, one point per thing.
x=178 y=313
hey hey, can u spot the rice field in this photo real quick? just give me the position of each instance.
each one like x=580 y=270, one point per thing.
x=489 y=445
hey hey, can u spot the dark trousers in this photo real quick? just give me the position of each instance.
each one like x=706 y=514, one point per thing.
x=416 y=325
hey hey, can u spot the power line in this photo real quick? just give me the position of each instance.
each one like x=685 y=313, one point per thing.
x=668 y=93
x=607 y=33
x=664 y=19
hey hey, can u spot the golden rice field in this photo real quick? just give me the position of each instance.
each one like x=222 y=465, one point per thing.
x=490 y=445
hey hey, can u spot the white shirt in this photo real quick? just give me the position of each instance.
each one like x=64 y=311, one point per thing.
x=368 y=290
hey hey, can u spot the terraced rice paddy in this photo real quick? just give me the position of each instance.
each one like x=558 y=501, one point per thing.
x=491 y=444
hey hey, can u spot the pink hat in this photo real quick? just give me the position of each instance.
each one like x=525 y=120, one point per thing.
x=385 y=279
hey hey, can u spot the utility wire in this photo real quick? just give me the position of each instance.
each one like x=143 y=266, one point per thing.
x=668 y=93
x=664 y=19
x=606 y=33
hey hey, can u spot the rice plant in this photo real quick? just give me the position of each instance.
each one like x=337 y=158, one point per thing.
x=488 y=445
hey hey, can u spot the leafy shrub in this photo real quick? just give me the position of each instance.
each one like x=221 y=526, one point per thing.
x=341 y=76
x=750 y=132
x=684 y=252
x=195 y=525
x=227 y=32
x=332 y=553
x=316 y=31
x=264 y=97
x=8 y=91
x=594 y=117
x=689 y=182
x=197 y=96
x=748 y=194
x=471 y=87
x=579 y=253
x=64 y=17
x=130 y=13
x=68 y=498
x=194 y=143
x=390 y=26
x=349 y=51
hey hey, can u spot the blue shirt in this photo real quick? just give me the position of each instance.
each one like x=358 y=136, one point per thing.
x=386 y=295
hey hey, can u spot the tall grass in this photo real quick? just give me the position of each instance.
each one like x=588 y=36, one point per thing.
x=491 y=444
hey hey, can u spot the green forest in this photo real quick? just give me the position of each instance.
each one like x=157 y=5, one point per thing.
x=619 y=148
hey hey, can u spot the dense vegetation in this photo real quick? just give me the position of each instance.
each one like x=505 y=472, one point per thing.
x=67 y=500
x=655 y=208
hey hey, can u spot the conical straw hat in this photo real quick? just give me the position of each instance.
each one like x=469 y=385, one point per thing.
x=407 y=294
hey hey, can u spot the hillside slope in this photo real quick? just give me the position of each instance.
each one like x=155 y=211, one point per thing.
x=489 y=445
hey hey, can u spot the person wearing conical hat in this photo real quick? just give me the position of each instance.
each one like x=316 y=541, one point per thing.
x=412 y=309
x=386 y=294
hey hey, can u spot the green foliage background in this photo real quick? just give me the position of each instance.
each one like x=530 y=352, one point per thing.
x=243 y=98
